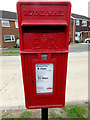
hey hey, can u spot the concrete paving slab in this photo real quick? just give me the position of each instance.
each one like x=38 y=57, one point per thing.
x=77 y=78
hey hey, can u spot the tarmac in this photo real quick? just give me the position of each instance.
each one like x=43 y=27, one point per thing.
x=11 y=82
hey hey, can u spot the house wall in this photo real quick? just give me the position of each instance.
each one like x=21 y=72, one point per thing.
x=84 y=30
x=84 y=35
x=12 y=30
x=72 y=30
x=81 y=28
x=89 y=29
x=89 y=34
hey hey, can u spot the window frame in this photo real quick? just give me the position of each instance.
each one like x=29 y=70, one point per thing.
x=16 y=25
x=10 y=37
x=2 y=21
x=78 y=22
x=84 y=24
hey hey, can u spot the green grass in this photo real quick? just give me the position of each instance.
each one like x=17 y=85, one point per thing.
x=79 y=41
x=89 y=105
x=75 y=111
x=11 y=49
x=64 y=107
x=10 y=119
x=5 y=115
x=9 y=53
x=25 y=114
x=61 y=111
x=59 y=116
x=89 y=110
x=52 y=115
x=68 y=111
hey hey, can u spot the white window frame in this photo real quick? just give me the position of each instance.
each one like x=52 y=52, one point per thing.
x=85 y=23
x=77 y=22
x=7 y=22
x=16 y=24
x=10 y=37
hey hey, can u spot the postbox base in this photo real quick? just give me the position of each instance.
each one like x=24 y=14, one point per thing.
x=45 y=106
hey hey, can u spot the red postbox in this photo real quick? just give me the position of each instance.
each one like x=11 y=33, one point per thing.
x=44 y=39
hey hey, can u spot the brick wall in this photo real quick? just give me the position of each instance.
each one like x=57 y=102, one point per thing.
x=84 y=35
x=72 y=30
x=82 y=28
x=12 y=30
x=89 y=34
x=0 y=34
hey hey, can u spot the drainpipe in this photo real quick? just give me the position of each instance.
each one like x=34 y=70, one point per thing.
x=74 y=29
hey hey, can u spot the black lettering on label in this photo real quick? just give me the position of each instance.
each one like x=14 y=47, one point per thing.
x=39 y=78
x=44 y=77
x=43 y=68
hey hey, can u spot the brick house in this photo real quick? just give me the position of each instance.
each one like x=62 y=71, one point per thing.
x=8 y=29
x=80 y=27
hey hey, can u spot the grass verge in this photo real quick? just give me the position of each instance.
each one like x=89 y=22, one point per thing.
x=53 y=115
x=10 y=49
x=9 y=53
x=68 y=111
x=25 y=114
x=75 y=111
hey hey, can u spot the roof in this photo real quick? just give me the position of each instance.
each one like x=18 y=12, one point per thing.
x=13 y=15
x=79 y=16
x=8 y=15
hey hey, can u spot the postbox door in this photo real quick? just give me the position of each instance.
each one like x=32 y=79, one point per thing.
x=43 y=71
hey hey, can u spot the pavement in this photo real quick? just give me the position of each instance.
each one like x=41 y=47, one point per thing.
x=11 y=83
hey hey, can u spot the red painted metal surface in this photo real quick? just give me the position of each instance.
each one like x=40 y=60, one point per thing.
x=44 y=28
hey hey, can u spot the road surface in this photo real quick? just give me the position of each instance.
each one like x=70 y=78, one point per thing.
x=72 y=48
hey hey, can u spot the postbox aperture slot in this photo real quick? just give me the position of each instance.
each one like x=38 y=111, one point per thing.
x=43 y=29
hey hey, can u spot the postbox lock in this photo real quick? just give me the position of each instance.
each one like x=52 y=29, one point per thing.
x=44 y=56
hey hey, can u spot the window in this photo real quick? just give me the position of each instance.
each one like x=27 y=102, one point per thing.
x=5 y=23
x=84 y=23
x=16 y=24
x=77 y=22
x=9 y=38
